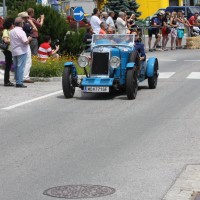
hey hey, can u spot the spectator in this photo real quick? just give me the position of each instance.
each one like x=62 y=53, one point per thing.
x=38 y=23
x=181 y=22
x=103 y=28
x=193 y=20
x=173 y=24
x=45 y=50
x=95 y=21
x=165 y=30
x=132 y=22
x=104 y=18
x=19 y=45
x=110 y=21
x=155 y=29
x=28 y=28
x=121 y=23
x=8 y=26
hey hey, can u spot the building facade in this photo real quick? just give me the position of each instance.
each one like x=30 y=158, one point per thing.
x=149 y=7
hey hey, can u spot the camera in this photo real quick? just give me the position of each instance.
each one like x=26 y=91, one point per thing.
x=57 y=42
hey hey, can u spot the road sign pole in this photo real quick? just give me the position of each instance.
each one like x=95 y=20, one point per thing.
x=77 y=26
x=78 y=16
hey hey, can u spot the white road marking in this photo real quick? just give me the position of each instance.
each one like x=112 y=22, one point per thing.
x=32 y=100
x=166 y=60
x=165 y=74
x=191 y=60
x=194 y=75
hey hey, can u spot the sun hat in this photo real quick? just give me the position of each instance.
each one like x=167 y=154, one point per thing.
x=23 y=14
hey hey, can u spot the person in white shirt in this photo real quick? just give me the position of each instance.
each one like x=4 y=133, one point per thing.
x=121 y=23
x=95 y=21
x=110 y=21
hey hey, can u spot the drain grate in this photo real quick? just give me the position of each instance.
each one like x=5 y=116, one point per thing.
x=79 y=191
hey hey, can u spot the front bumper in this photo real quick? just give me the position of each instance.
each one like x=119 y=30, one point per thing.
x=97 y=81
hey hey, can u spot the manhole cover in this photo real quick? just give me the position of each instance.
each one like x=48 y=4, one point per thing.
x=79 y=191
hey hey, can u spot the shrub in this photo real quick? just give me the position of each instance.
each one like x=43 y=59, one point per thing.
x=52 y=67
x=73 y=42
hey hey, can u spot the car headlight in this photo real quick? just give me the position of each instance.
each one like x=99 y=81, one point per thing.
x=115 y=62
x=83 y=61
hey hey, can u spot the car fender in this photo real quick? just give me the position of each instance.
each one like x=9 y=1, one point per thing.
x=73 y=68
x=130 y=65
x=150 y=66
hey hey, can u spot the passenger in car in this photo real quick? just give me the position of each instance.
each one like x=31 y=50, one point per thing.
x=139 y=46
x=103 y=28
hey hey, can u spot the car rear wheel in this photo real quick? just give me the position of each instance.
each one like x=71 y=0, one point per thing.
x=152 y=81
x=131 y=83
x=68 y=88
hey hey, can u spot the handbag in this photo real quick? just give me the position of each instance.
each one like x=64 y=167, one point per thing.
x=168 y=30
x=3 y=45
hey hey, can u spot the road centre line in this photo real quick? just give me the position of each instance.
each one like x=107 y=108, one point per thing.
x=191 y=60
x=166 y=60
x=165 y=74
x=194 y=75
x=32 y=100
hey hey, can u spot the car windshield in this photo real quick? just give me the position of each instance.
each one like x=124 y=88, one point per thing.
x=113 y=39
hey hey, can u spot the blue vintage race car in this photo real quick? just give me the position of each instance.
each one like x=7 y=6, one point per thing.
x=114 y=65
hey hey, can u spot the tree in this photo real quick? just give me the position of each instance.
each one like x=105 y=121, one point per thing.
x=14 y=5
x=130 y=6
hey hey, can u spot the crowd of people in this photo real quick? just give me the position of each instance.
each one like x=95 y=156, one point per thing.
x=21 y=35
x=163 y=26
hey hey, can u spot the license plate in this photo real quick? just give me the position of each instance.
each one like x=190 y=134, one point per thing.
x=96 y=89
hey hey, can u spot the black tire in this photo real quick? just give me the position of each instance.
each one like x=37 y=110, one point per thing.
x=152 y=81
x=131 y=83
x=68 y=88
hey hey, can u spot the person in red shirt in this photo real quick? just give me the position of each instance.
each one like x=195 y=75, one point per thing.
x=193 y=20
x=45 y=50
x=103 y=28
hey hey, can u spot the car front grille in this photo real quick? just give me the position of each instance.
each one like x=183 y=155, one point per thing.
x=100 y=63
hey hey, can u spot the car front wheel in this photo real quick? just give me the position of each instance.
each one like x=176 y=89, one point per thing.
x=131 y=83
x=68 y=88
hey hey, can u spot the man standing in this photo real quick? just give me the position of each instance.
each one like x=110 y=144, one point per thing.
x=121 y=23
x=95 y=21
x=38 y=23
x=19 y=45
x=110 y=21
x=28 y=28
x=155 y=29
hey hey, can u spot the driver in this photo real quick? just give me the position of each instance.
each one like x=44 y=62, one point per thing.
x=139 y=46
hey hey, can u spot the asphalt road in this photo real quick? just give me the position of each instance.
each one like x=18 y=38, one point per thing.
x=138 y=147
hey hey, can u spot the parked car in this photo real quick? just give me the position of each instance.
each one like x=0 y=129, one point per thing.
x=115 y=65
x=188 y=10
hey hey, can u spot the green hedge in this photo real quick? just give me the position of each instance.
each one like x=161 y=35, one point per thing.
x=52 y=67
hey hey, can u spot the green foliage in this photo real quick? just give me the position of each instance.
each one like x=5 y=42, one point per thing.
x=130 y=6
x=52 y=67
x=73 y=43
x=15 y=5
